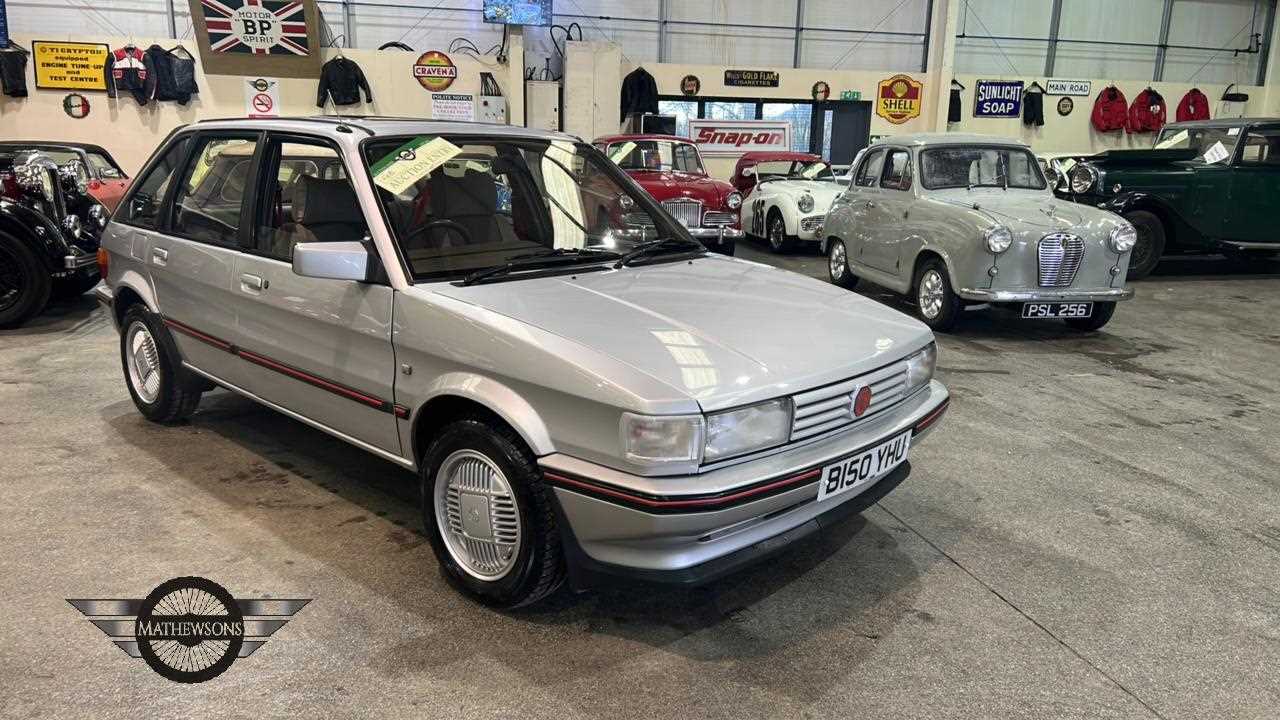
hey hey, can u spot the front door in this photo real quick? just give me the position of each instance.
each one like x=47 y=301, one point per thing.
x=862 y=197
x=318 y=347
x=886 y=221
x=1255 y=188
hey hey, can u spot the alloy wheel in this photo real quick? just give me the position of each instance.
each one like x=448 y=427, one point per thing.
x=477 y=515
x=143 y=361
x=929 y=296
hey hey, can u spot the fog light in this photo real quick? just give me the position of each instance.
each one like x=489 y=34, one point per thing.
x=993 y=271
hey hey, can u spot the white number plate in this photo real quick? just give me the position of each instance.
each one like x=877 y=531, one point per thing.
x=1057 y=310
x=858 y=470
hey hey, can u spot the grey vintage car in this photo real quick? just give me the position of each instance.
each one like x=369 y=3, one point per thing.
x=581 y=389
x=954 y=219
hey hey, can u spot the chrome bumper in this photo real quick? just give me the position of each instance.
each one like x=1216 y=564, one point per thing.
x=1045 y=295
x=75 y=262
x=655 y=525
x=716 y=233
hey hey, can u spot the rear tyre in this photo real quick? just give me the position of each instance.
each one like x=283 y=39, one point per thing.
x=1102 y=312
x=489 y=515
x=838 y=265
x=25 y=284
x=1146 y=252
x=936 y=303
x=779 y=241
x=153 y=369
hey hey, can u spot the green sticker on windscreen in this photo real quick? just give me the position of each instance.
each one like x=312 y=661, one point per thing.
x=411 y=162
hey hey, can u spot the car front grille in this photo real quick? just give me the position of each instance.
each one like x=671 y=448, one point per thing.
x=811 y=224
x=830 y=408
x=688 y=212
x=715 y=218
x=1059 y=255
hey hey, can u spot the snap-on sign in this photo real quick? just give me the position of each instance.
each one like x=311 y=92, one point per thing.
x=734 y=137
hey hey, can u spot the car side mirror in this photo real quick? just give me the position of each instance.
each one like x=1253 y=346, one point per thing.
x=332 y=261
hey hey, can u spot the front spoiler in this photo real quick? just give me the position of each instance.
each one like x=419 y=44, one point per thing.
x=1045 y=295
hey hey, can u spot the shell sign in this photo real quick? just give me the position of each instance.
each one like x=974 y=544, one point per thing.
x=435 y=71
x=898 y=98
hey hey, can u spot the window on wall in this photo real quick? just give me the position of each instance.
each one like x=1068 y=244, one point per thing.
x=683 y=110
x=798 y=114
x=726 y=110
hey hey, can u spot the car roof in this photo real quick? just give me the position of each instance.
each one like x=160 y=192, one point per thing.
x=923 y=139
x=1221 y=122
x=641 y=136
x=374 y=126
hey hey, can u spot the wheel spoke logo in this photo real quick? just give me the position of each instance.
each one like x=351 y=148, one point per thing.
x=189 y=629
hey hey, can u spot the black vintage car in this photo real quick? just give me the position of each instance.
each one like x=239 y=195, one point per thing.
x=1205 y=186
x=49 y=230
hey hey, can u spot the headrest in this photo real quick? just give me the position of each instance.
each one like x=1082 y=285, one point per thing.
x=325 y=201
x=472 y=194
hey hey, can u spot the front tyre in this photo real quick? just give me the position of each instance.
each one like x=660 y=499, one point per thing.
x=779 y=241
x=153 y=369
x=936 y=303
x=1102 y=312
x=488 y=514
x=1150 y=243
x=838 y=265
x=25 y=284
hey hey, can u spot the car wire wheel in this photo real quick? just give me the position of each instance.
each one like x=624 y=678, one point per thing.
x=477 y=515
x=11 y=282
x=930 y=294
x=777 y=233
x=143 y=361
x=837 y=264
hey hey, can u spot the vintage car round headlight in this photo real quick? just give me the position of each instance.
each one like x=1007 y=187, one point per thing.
x=733 y=201
x=1083 y=177
x=626 y=202
x=805 y=203
x=74 y=176
x=998 y=238
x=72 y=226
x=31 y=172
x=1123 y=237
x=98 y=214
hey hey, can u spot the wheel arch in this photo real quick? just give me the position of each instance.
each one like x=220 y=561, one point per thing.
x=924 y=255
x=458 y=394
x=1154 y=204
x=17 y=221
x=131 y=288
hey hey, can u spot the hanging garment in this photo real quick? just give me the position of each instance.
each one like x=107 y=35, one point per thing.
x=13 y=72
x=639 y=93
x=342 y=80
x=1147 y=114
x=1033 y=109
x=175 y=76
x=1193 y=106
x=1110 y=110
x=953 y=107
x=129 y=69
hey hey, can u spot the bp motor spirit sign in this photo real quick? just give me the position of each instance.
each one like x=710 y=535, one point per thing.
x=253 y=38
x=997 y=98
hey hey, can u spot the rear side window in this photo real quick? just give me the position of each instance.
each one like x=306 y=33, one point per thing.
x=209 y=198
x=869 y=173
x=143 y=208
x=1261 y=147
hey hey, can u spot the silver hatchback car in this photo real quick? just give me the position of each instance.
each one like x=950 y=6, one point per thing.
x=581 y=388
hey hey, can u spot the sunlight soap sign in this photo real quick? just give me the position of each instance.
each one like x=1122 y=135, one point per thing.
x=997 y=98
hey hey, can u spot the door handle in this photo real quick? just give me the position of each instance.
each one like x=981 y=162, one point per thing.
x=252 y=283
x=159 y=256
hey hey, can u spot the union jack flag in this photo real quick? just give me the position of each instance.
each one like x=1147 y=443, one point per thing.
x=261 y=27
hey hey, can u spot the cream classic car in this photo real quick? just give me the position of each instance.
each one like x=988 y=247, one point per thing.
x=953 y=219
x=785 y=196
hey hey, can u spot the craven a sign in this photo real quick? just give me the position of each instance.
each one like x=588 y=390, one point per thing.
x=898 y=99
x=997 y=98
x=734 y=137
x=258 y=37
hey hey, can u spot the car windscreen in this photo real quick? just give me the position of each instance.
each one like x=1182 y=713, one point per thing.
x=1198 y=139
x=460 y=204
x=969 y=166
x=103 y=167
x=655 y=155
x=794 y=170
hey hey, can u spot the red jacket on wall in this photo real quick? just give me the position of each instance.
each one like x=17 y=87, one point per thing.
x=1147 y=113
x=1109 y=110
x=1193 y=106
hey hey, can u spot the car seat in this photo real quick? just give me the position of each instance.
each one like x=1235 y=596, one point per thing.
x=470 y=200
x=323 y=211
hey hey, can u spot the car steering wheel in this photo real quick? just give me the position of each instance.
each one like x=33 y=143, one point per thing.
x=448 y=224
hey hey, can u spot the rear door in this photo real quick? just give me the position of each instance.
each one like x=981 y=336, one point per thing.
x=1255 y=187
x=318 y=347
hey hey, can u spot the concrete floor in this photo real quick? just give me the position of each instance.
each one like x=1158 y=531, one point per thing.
x=1095 y=532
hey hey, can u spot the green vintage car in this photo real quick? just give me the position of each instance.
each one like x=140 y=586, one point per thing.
x=1205 y=186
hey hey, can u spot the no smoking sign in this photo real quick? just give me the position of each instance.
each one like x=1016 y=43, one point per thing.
x=261 y=97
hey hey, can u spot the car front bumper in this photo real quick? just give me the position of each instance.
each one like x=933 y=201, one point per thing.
x=717 y=234
x=693 y=529
x=1045 y=295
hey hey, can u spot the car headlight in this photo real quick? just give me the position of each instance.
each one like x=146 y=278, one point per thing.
x=1083 y=177
x=733 y=201
x=626 y=202
x=98 y=214
x=920 y=367
x=805 y=203
x=658 y=439
x=998 y=238
x=744 y=430
x=1123 y=237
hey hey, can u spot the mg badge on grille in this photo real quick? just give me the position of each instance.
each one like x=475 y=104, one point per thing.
x=861 y=400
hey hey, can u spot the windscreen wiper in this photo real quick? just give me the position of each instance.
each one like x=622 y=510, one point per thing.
x=674 y=244
x=544 y=258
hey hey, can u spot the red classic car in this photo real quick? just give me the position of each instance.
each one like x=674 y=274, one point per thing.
x=107 y=182
x=671 y=170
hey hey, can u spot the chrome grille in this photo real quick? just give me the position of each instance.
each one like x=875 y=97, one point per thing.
x=688 y=212
x=811 y=223
x=831 y=407
x=717 y=218
x=1059 y=255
